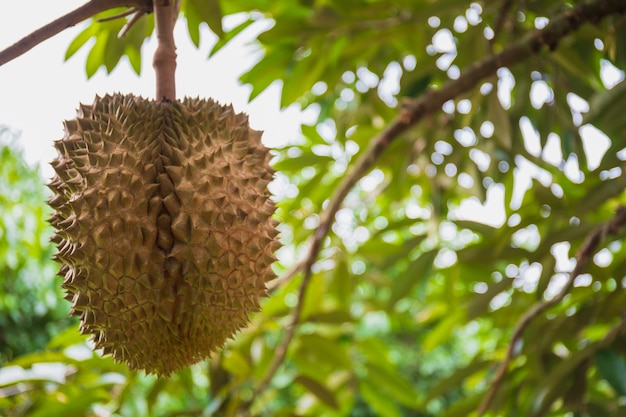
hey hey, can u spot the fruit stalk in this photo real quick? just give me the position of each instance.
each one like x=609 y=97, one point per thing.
x=164 y=61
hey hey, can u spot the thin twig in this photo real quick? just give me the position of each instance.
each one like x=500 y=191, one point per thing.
x=137 y=15
x=68 y=20
x=125 y=13
x=586 y=251
x=500 y=19
x=285 y=277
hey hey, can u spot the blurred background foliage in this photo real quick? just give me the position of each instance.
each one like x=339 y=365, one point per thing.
x=31 y=305
x=466 y=222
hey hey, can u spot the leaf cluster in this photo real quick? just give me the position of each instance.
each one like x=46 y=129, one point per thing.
x=466 y=222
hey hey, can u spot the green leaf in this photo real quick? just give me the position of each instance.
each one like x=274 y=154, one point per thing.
x=606 y=110
x=235 y=363
x=443 y=331
x=319 y=390
x=296 y=164
x=456 y=379
x=96 y=57
x=479 y=303
x=418 y=271
x=67 y=338
x=612 y=367
x=80 y=40
x=303 y=75
x=601 y=193
x=486 y=231
x=387 y=254
x=336 y=317
x=208 y=11
x=229 y=36
x=342 y=284
x=380 y=403
x=415 y=86
x=193 y=29
x=325 y=350
x=266 y=71
x=500 y=119
x=114 y=47
x=547 y=271
x=394 y=384
x=464 y=407
x=569 y=59
x=134 y=57
x=134 y=39
x=76 y=405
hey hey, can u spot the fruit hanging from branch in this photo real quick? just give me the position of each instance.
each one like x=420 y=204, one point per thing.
x=163 y=220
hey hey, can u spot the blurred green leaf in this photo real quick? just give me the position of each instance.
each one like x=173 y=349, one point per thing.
x=236 y=364
x=393 y=384
x=381 y=331
x=317 y=389
x=417 y=271
x=80 y=40
x=612 y=367
x=325 y=350
x=378 y=400
x=208 y=11
x=604 y=110
x=228 y=36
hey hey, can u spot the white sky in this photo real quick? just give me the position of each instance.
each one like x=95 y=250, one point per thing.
x=38 y=90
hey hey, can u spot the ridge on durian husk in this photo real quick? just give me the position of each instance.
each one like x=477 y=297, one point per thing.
x=163 y=227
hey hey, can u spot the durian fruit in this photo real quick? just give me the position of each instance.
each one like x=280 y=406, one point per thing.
x=163 y=227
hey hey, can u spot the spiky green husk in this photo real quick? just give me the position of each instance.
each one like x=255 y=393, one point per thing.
x=163 y=227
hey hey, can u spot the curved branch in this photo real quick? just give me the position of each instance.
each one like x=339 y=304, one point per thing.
x=586 y=251
x=414 y=111
x=281 y=350
x=68 y=20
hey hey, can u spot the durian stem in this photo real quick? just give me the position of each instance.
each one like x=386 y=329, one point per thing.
x=164 y=62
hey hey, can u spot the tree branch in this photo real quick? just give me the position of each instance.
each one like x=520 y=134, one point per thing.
x=72 y=18
x=413 y=112
x=286 y=276
x=164 y=62
x=500 y=20
x=281 y=350
x=586 y=251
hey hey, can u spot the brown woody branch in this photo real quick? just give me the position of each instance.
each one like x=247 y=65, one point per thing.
x=414 y=111
x=72 y=18
x=586 y=251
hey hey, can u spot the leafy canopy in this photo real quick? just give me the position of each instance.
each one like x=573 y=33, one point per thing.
x=461 y=227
